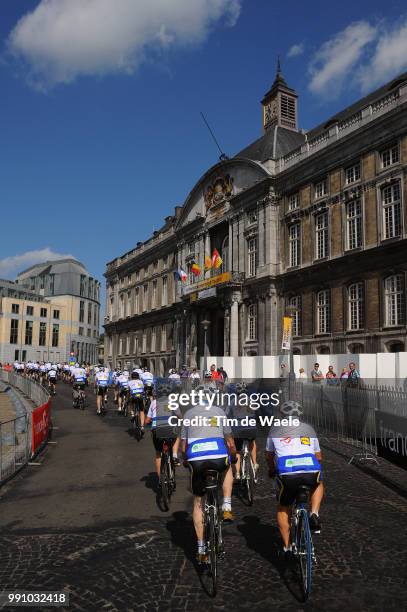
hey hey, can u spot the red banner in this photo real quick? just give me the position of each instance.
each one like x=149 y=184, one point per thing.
x=41 y=420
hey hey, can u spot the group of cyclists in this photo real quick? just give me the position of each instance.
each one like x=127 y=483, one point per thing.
x=292 y=453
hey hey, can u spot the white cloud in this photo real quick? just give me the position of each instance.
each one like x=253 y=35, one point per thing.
x=12 y=265
x=389 y=57
x=61 y=40
x=333 y=62
x=296 y=50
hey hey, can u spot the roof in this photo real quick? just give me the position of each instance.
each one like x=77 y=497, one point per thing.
x=58 y=266
x=275 y=142
x=357 y=106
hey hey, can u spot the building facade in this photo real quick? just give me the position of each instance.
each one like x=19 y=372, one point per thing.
x=316 y=220
x=66 y=283
x=31 y=327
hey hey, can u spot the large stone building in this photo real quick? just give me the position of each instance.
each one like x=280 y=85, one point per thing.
x=314 y=219
x=64 y=287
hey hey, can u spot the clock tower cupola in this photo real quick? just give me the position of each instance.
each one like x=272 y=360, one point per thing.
x=280 y=104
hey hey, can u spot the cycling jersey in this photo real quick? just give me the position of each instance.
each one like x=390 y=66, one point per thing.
x=101 y=379
x=136 y=387
x=147 y=378
x=295 y=449
x=52 y=374
x=123 y=381
x=206 y=439
x=79 y=375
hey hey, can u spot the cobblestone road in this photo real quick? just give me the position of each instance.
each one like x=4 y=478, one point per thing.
x=86 y=521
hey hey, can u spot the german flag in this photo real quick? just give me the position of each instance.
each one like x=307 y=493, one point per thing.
x=195 y=269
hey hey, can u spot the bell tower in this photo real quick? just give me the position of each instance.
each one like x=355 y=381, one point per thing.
x=280 y=104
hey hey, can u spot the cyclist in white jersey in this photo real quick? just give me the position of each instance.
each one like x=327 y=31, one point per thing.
x=101 y=384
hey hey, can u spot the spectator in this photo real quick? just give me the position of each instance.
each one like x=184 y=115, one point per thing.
x=283 y=371
x=331 y=377
x=215 y=374
x=223 y=373
x=184 y=373
x=194 y=374
x=344 y=373
x=316 y=374
x=302 y=375
x=353 y=376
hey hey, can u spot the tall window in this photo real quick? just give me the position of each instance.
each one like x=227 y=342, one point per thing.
x=390 y=156
x=395 y=300
x=293 y=201
x=145 y=294
x=28 y=332
x=153 y=339
x=391 y=201
x=355 y=306
x=353 y=224
x=324 y=312
x=164 y=294
x=43 y=334
x=321 y=235
x=163 y=337
x=165 y=261
x=15 y=308
x=287 y=106
x=321 y=189
x=122 y=306
x=89 y=313
x=154 y=295
x=81 y=311
x=137 y=301
x=127 y=345
x=43 y=312
x=252 y=217
x=251 y=256
x=14 y=331
x=297 y=302
x=82 y=285
x=352 y=174
x=55 y=334
x=252 y=322
x=52 y=284
x=30 y=311
x=144 y=342
x=294 y=244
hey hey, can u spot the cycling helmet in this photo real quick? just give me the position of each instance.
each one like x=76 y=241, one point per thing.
x=207 y=374
x=291 y=408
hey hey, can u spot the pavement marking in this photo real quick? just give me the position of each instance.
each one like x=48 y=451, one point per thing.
x=130 y=536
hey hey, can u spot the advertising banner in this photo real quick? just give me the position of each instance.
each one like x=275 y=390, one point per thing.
x=392 y=437
x=287 y=330
x=41 y=420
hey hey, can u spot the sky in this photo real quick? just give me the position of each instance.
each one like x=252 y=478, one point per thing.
x=100 y=100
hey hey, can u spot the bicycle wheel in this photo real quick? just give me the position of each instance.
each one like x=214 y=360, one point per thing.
x=212 y=548
x=304 y=552
x=82 y=402
x=249 y=482
x=137 y=425
x=164 y=482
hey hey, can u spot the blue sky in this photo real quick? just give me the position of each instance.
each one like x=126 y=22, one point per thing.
x=99 y=109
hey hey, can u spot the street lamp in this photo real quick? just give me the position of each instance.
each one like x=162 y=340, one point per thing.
x=205 y=324
x=291 y=311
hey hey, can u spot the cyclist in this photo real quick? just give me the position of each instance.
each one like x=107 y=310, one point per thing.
x=79 y=381
x=147 y=378
x=52 y=379
x=241 y=412
x=208 y=446
x=101 y=384
x=158 y=414
x=293 y=456
x=123 y=388
x=136 y=389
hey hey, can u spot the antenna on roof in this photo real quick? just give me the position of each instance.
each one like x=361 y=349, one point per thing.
x=222 y=155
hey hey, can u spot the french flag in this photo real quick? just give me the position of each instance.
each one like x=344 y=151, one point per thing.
x=180 y=275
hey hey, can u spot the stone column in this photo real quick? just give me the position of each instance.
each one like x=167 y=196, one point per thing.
x=207 y=251
x=193 y=341
x=260 y=240
x=234 y=326
x=231 y=247
x=226 y=332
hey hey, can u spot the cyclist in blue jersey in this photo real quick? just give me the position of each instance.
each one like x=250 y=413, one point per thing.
x=294 y=457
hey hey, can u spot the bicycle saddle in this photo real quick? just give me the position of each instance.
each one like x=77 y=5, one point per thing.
x=302 y=494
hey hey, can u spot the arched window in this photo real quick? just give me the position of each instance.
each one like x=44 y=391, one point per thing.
x=394 y=300
x=356 y=348
x=323 y=350
x=395 y=347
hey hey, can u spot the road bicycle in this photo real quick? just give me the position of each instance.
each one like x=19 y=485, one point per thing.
x=247 y=474
x=301 y=540
x=135 y=419
x=79 y=400
x=167 y=475
x=213 y=521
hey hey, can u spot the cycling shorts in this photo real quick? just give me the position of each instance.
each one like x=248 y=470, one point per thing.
x=239 y=441
x=158 y=440
x=199 y=468
x=101 y=391
x=288 y=484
